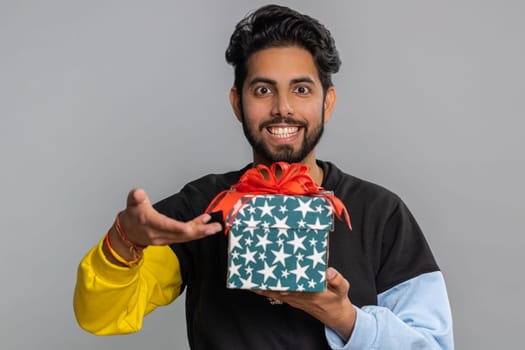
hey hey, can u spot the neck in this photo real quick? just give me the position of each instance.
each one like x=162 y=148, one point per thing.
x=314 y=170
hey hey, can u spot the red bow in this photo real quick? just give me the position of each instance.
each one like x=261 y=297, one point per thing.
x=294 y=181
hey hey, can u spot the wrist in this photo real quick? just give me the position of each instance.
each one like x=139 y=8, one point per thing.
x=124 y=239
x=119 y=249
x=344 y=324
x=116 y=253
x=119 y=246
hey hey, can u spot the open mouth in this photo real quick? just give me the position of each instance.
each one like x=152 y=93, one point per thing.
x=283 y=132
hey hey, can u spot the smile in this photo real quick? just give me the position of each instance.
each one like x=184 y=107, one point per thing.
x=283 y=132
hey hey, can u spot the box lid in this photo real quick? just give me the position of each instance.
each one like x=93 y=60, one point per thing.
x=282 y=212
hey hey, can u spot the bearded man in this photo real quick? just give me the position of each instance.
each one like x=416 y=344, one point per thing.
x=384 y=288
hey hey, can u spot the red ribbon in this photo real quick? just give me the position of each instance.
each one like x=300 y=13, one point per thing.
x=294 y=180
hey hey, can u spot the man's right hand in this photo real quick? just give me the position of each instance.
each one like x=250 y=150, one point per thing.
x=144 y=226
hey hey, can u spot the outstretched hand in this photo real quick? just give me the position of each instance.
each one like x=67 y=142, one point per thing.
x=145 y=226
x=332 y=307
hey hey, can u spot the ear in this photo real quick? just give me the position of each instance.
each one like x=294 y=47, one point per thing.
x=329 y=103
x=235 y=101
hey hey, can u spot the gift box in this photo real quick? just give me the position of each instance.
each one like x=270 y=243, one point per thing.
x=279 y=242
x=278 y=220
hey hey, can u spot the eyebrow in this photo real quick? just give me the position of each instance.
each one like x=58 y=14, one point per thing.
x=257 y=80
x=265 y=80
x=302 y=80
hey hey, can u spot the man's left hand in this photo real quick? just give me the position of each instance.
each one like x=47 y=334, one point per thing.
x=332 y=307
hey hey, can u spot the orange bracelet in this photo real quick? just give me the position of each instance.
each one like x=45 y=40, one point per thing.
x=117 y=256
x=135 y=250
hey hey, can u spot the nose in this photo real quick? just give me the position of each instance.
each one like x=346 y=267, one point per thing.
x=282 y=106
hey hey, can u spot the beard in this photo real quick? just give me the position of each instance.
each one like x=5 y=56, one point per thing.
x=283 y=153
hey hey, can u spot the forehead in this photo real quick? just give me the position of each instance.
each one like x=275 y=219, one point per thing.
x=282 y=64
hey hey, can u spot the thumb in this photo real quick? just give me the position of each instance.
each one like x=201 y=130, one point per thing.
x=137 y=196
x=336 y=282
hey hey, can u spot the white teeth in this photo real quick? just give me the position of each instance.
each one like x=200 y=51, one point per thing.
x=283 y=132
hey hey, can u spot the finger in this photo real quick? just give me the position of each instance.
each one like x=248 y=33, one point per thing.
x=201 y=226
x=137 y=196
x=272 y=296
x=284 y=296
x=203 y=219
x=266 y=293
x=178 y=231
x=207 y=227
x=336 y=282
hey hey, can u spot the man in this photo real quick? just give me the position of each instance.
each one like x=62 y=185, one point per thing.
x=384 y=289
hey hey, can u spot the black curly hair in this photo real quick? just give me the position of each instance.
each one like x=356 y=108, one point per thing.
x=279 y=26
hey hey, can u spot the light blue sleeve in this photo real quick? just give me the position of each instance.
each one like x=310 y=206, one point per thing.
x=414 y=314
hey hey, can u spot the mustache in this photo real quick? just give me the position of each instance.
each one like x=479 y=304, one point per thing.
x=283 y=120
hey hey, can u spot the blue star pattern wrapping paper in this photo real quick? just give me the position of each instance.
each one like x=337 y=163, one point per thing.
x=279 y=242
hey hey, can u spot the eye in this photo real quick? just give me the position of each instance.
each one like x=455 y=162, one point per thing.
x=302 y=90
x=262 y=90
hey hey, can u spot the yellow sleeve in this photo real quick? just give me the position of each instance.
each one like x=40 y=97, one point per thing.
x=110 y=299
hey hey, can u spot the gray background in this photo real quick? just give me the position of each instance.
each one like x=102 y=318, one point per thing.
x=97 y=97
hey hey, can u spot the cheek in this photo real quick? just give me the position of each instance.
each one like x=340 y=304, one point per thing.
x=307 y=107
x=256 y=110
x=311 y=112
